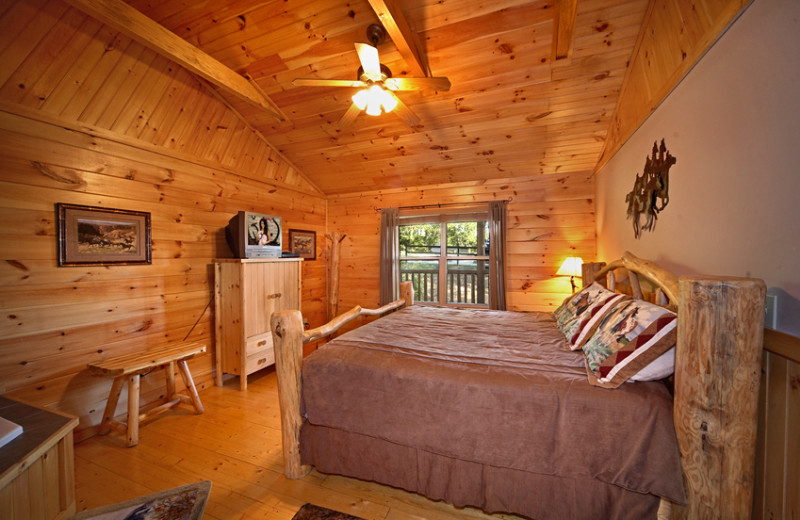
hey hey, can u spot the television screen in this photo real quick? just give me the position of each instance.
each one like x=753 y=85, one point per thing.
x=254 y=235
x=263 y=230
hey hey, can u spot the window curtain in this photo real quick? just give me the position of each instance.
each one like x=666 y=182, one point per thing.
x=497 y=234
x=390 y=256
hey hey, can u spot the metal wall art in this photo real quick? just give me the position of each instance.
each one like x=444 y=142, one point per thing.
x=650 y=193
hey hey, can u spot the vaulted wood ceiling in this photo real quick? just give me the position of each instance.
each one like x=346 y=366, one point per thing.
x=514 y=110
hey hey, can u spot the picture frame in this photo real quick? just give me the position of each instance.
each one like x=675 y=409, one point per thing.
x=92 y=235
x=303 y=243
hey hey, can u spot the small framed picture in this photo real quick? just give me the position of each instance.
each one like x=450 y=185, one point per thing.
x=303 y=243
x=89 y=235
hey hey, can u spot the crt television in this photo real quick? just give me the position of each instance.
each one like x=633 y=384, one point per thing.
x=254 y=235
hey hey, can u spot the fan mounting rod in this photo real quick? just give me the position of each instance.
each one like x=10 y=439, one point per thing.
x=376 y=34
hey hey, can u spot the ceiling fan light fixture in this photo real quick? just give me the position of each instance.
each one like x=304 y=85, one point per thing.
x=361 y=98
x=388 y=102
x=373 y=99
x=373 y=109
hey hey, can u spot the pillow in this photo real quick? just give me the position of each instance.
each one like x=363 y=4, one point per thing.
x=633 y=334
x=661 y=368
x=578 y=316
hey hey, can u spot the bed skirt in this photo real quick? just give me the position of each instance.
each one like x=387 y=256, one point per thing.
x=462 y=483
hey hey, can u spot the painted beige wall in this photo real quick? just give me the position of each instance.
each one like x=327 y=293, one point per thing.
x=733 y=123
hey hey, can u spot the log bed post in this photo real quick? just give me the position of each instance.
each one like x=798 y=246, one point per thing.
x=717 y=377
x=589 y=270
x=288 y=337
x=717 y=372
x=287 y=340
x=407 y=293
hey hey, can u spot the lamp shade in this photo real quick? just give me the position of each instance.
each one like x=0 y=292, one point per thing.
x=570 y=267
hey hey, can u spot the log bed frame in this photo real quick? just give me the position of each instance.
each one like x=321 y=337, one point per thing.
x=717 y=372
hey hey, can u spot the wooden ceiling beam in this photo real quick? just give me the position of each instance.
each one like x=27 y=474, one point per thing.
x=564 y=30
x=124 y=18
x=400 y=32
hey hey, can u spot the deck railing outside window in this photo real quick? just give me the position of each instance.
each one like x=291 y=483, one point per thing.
x=447 y=262
x=462 y=286
x=467 y=281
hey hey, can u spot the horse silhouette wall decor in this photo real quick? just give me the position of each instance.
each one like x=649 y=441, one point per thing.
x=650 y=194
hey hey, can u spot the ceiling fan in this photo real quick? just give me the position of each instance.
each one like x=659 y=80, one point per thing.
x=377 y=94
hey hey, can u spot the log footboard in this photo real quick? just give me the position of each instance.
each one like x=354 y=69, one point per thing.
x=288 y=338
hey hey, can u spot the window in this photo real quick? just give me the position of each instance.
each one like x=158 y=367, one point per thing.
x=456 y=274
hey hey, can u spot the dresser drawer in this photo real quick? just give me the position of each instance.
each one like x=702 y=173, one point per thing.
x=259 y=360
x=256 y=344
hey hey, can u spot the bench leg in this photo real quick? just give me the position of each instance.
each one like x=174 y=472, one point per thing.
x=111 y=405
x=169 y=372
x=187 y=379
x=133 y=410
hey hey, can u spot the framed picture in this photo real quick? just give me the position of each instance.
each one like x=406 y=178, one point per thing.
x=89 y=235
x=303 y=243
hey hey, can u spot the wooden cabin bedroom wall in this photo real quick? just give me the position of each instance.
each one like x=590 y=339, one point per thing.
x=550 y=217
x=89 y=117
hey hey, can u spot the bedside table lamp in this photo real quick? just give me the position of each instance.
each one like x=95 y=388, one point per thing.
x=572 y=268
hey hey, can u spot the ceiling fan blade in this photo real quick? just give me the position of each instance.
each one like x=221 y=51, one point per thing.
x=437 y=83
x=403 y=112
x=368 y=55
x=350 y=115
x=313 y=82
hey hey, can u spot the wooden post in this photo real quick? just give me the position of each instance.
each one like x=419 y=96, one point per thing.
x=333 y=267
x=588 y=270
x=718 y=367
x=287 y=340
x=189 y=382
x=133 y=410
x=219 y=333
x=111 y=405
x=407 y=293
x=169 y=373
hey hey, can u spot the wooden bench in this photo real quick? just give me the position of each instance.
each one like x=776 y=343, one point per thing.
x=129 y=368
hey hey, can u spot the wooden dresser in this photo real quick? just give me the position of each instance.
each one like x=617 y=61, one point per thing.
x=37 y=475
x=247 y=292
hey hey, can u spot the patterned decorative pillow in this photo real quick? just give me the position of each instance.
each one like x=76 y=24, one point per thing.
x=579 y=315
x=633 y=334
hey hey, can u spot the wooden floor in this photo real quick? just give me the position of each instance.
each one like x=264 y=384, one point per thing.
x=236 y=445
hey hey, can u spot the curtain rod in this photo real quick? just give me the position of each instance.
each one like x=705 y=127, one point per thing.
x=451 y=204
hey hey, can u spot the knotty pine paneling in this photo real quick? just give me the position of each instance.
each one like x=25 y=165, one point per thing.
x=56 y=59
x=673 y=37
x=511 y=112
x=56 y=320
x=778 y=444
x=549 y=218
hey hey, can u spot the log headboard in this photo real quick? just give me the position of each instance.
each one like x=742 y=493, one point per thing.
x=717 y=372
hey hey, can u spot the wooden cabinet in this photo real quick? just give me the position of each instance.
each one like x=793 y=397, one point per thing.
x=37 y=476
x=247 y=292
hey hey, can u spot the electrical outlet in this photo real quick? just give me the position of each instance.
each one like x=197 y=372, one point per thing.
x=771 y=316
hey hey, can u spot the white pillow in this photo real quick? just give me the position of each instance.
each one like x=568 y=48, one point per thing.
x=662 y=367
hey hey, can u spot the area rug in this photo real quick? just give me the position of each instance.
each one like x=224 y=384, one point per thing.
x=312 y=512
x=182 y=503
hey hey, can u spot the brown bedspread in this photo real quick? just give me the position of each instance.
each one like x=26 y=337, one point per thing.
x=499 y=390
